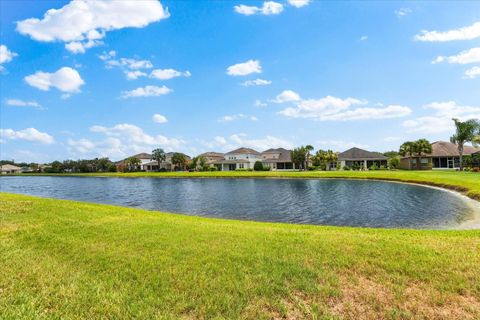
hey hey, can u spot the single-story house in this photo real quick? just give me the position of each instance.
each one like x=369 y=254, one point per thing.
x=241 y=158
x=167 y=165
x=356 y=157
x=444 y=155
x=278 y=159
x=9 y=169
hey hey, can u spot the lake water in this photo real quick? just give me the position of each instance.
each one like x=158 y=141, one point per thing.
x=324 y=202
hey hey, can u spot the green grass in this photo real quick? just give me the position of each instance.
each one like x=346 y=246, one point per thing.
x=467 y=182
x=65 y=259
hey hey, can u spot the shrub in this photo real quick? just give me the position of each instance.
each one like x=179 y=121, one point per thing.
x=212 y=169
x=393 y=163
x=258 y=166
x=373 y=167
x=346 y=168
x=112 y=168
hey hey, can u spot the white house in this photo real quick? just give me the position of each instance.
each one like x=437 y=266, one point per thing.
x=241 y=158
x=152 y=165
x=9 y=169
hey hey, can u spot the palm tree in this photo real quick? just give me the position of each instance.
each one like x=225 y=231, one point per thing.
x=408 y=148
x=179 y=160
x=132 y=163
x=298 y=156
x=467 y=131
x=308 y=148
x=422 y=146
x=159 y=156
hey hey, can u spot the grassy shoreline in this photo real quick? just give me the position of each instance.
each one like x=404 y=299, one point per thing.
x=467 y=183
x=67 y=259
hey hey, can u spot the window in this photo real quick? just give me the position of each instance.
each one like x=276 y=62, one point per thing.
x=241 y=166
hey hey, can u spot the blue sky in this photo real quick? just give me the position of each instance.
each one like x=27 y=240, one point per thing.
x=216 y=75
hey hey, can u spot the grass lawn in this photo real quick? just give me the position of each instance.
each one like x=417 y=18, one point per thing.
x=65 y=259
x=467 y=182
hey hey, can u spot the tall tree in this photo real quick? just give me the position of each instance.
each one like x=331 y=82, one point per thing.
x=407 y=149
x=179 y=160
x=308 y=149
x=159 y=156
x=132 y=163
x=298 y=156
x=422 y=146
x=466 y=131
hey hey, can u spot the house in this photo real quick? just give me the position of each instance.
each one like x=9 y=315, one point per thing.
x=167 y=165
x=444 y=155
x=212 y=157
x=241 y=158
x=10 y=169
x=143 y=157
x=356 y=157
x=278 y=159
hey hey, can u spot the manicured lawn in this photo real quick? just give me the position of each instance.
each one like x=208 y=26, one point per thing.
x=65 y=259
x=467 y=182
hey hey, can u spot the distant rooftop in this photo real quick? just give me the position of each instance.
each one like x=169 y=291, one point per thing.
x=360 y=154
x=243 y=151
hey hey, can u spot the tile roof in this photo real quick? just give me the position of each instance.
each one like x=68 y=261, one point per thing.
x=360 y=154
x=243 y=151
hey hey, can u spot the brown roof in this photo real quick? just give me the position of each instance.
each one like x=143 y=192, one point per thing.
x=448 y=149
x=211 y=155
x=143 y=155
x=9 y=167
x=243 y=151
x=360 y=154
x=284 y=155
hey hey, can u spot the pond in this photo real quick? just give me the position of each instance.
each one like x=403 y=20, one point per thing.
x=335 y=202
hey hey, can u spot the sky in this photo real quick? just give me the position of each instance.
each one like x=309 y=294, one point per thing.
x=82 y=79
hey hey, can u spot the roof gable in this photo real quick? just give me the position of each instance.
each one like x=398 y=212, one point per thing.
x=243 y=151
x=360 y=154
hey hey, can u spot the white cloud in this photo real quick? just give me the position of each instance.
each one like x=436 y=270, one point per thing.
x=241 y=140
x=29 y=134
x=464 y=57
x=65 y=79
x=340 y=145
x=287 y=96
x=158 y=118
x=472 y=73
x=122 y=140
x=363 y=38
x=6 y=55
x=464 y=33
x=256 y=82
x=268 y=8
x=259 y=103
x=238 y=116
x=165 y=74
x=128 y=63
x=441 y=120
x=147 y=91
x=299 y=3
x=82 y=24
x=333 y=109
x=403 y=12
x=22 y=103
x=132 y=75
x=245 y=68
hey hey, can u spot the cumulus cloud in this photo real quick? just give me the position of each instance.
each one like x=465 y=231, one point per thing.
x=363 y=38
x=403 y=12
x=5 y=54
x=120 y=141
x=22 y=103
x=245 y=68
x=299 y=3
x=238 y=116
x=332 y=108
x=166 y=74
x=29 y=134
x=259 y=104
x=441 y=120
x=147 y=91
x=287 y=96
x=268 y=8
x=133 y=67
x=256 y=82
x=81 y=24
x=64 y=79
x=464 y=57
x=158 y=118
x=465 y=33
x=472 y=73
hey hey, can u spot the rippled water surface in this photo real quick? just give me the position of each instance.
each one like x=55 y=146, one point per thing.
x=327 y=202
